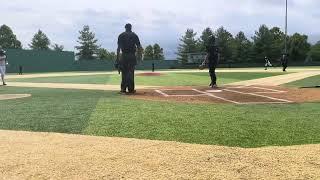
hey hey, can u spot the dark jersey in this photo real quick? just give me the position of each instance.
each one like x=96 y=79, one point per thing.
x=128 y=42
x=213 y=55
x=284 y=59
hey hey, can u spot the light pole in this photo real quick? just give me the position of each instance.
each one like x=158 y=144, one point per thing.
x=286 y=29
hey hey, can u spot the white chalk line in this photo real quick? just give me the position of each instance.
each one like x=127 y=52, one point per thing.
x=162 y=93
x=203 y=93
x=269 y=91
x=259 y=95
x=211 y=95
x=177 y=95
x=273 y=90
x=196 y=95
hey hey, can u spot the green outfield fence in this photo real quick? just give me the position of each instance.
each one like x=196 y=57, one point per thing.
x=34 y=61
x=39 y=61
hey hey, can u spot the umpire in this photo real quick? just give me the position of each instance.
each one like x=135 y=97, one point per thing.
x=128 y=43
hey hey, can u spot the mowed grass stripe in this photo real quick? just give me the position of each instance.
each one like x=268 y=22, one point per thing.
x=48 y=110
x=109 y=114
x=168 y=79
x=228 y=125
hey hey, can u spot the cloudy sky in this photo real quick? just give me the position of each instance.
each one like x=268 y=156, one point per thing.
x=155 y=21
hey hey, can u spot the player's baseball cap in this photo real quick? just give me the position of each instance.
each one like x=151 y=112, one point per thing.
x=128 y=26
x=2 y=51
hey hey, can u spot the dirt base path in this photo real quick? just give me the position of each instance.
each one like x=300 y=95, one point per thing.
x=269 y=81
x=74 y=86
x=58 y=74
x=13 y=96
x=278 y=80
x=26 y=155
x=62 y=74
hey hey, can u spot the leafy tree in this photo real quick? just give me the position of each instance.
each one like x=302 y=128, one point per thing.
x=241 y=48
x=148 y=53
x=104 y=54
x=113 y=56
x=157 y=52
x=277 y=43
x=40 y=41
x=298 y=47
x=7 y=39
x=88 y=48
x=315 y=52
x=204 y=39
x=263 y=41
x=57 y=47
x=224 y=42
x=188 y=44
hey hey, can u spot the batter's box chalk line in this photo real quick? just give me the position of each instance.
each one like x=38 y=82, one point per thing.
x=209 y=93
x=178 y=95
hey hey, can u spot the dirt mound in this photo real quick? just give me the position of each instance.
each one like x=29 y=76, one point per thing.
x=232 y=94
x=150 y=74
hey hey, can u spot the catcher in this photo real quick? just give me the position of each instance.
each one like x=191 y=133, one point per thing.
x=211 y=61
x=3 y=63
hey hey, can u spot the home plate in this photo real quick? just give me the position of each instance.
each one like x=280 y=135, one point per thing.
x=214 y=91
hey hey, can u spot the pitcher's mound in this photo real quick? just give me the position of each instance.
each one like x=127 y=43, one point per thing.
x=150 y=74
x=13 y=96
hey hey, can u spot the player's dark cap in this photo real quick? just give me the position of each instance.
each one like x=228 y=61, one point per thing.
x=128 y=27
x=2 y=52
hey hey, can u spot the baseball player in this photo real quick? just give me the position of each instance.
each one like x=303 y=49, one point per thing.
x=267 y=63
x=284 y=62
x=212 y=60
x=3 y=63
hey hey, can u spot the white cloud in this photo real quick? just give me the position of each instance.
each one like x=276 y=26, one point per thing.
x=155 y=21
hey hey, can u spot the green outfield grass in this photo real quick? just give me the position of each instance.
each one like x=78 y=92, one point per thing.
x=109 y=114
x=168 y=79
x=308 y=82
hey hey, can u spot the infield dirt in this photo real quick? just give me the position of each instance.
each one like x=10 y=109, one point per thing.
x=27 y=155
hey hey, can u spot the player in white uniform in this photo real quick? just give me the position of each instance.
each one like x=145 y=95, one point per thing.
x=267 y=64
x=3 y=63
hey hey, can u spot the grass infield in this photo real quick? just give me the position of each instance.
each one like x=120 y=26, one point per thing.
x=308 y=82
x=109 y=114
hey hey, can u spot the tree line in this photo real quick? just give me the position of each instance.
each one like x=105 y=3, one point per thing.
x=241 y=49
x=238 y=49
x=88 y=47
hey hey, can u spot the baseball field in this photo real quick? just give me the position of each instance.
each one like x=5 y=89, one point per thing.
x=74 y=125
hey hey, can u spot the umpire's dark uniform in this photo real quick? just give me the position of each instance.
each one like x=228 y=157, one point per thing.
x=128 y=42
